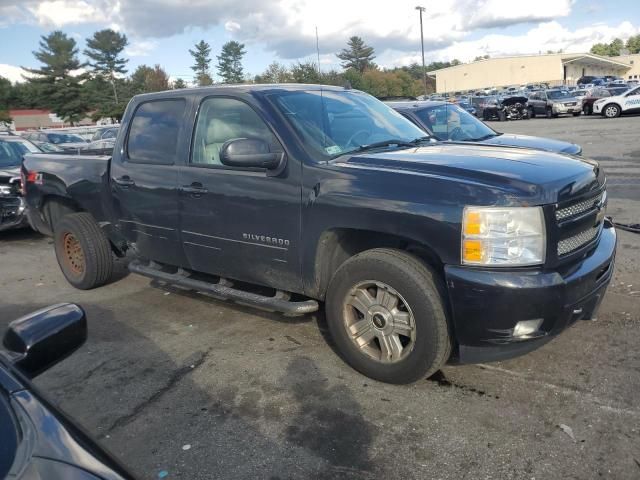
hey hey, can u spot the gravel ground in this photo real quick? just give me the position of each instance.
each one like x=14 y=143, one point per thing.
x=257 y=395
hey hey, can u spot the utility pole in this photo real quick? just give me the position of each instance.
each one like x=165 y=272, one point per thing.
x=424 y=68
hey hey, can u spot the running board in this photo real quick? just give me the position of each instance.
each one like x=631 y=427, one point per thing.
x=223 y=289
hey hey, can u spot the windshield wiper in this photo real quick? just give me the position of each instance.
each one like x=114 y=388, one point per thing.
x=387 y=143
x=484 y=137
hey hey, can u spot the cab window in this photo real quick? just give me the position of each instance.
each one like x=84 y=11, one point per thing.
x=222 y=119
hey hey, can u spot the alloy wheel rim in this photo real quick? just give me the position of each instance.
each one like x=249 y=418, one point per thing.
x=379 y=321
x=611 y=111
x=73 y=254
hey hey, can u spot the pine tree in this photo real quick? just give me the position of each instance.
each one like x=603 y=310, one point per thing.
x=179 y=83
x=104 y=49
x=230 y=62
x=59 y=90
x=358 y=55
x=202 y=58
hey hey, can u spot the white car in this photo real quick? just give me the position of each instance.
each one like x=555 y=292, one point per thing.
x=611 y=107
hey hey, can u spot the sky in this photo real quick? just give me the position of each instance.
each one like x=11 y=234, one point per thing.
x=162 y=31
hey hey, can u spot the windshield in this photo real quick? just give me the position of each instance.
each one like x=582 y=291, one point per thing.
x=557 y=94
x=336 y=122
x=57 y=138
x=450 y=122
x=11 y=153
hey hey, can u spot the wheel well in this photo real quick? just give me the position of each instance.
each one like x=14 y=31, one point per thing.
x=338 y=245
x=54 y=208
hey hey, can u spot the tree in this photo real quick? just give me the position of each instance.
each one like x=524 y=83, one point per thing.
x=146 y=79
x=483 y=57
x=230 y=62
x=179 y=83
x=5 y=95
x=608 y=50
x=633 y=44
x=275 y=73
x=59 y=90
x=357 y=55
x=202 y=59
x=306 y=72
x=104 y=49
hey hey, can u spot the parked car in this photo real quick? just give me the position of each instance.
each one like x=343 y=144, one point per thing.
x=486 y=107
x=593 y=95
x=552 y=103
x=615 y=91
x=625 y=103
x=105 y=133
x=422 y=252
x=12 y=206
x=587 y=79
x=37 y=440
x=580 y=93
x=65 y=141
x=447 y=122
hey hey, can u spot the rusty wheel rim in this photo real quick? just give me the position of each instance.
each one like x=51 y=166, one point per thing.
x=73 y=254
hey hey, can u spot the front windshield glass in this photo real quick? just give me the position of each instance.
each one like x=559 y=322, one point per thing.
x=450 y=122
x=11 y=154
x=57 y=138
x=558 y=94
x=336 y=122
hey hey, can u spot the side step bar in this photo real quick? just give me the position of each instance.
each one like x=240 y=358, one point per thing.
x=278 y=303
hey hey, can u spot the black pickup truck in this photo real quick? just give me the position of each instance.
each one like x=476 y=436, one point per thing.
x=284 y=196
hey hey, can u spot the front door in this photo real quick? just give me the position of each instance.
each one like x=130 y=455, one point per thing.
x=631 y=102
x=144 y=179
x=236 y=222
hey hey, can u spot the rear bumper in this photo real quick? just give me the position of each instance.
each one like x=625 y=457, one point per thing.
x=12 y=213
x=486 y=305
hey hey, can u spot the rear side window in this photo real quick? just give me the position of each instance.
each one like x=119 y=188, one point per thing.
x=155 y=131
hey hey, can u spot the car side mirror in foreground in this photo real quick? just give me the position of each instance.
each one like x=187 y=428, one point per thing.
x=41 y=339
x=249 y=153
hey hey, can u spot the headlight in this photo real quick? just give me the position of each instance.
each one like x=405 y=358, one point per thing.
x=499 y=236
x=557 y=105
x=5 y=190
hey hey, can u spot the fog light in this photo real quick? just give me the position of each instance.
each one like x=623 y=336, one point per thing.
x=527 y=327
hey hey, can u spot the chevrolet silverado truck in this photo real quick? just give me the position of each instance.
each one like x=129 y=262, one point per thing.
x=288 y=196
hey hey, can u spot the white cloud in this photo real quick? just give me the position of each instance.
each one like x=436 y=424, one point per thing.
x=64 y=12
x=12 y=73
x=140 y=48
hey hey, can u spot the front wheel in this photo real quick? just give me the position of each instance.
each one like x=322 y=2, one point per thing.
x=386 y=314
x=549 y=113
x=83 y=251
x=611 y=111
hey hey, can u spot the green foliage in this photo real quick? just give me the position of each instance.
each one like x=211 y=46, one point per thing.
x=146 y=79
x=633 y=44
x=5 y=95
x=306 y=72
x=608 y=49
x=484 y=57
x=60 y=91
x=179 y=83
x=230 y=62
x=202 y=58
x=357 y=55
x=275 y=73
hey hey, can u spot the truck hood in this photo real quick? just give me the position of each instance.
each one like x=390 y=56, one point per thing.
x=528 y=141
x=539 y=176
x=7 y=173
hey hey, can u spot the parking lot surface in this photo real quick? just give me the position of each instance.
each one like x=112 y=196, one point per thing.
x=177 y=382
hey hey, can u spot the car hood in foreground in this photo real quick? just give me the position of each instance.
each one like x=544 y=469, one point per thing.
x=528 y=141
x=541 y=177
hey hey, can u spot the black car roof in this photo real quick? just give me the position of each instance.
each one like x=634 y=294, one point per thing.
x=418 y=105
x=242 y=88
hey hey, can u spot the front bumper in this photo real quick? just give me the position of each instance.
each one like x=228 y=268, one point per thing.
x=487 y=304
x=12 y=213
x=597 y=107
x=563 y=110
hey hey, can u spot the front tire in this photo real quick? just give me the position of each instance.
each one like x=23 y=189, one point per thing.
x=611 y=111
x=549 y=112
x=83 y=251
x=386 y=314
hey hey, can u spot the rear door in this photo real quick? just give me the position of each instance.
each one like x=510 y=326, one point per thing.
x=237 y=222
x=144 y=178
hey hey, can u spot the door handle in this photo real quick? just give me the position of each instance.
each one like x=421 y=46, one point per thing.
x=196 y=189
x=124 y=181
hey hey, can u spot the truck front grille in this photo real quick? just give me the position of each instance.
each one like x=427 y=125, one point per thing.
x=581 y=207
x=573 y=243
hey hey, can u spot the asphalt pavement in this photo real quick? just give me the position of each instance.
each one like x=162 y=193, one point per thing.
x=180 y=383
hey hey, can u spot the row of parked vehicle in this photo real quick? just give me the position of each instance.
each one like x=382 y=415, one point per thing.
x=60 y=140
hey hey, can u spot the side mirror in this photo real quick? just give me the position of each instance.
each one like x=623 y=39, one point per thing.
x=249 y=153
x=41 y=339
